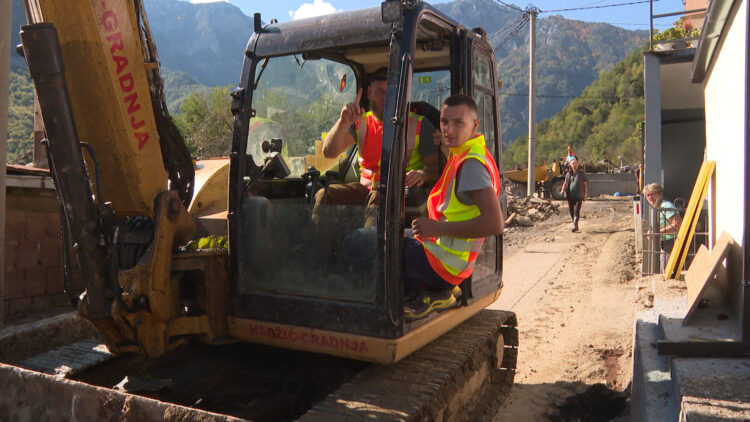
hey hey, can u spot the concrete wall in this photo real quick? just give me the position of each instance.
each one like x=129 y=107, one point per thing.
x=33 y=273
x=652 y=139
x=32 y=396
x=683 y=148
x=726 y=119
x=609 y=183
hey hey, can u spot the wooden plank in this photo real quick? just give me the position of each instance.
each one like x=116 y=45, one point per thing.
x=704 y=269
x=687 y=229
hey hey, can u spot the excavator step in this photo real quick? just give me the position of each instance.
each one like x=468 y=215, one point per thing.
x=70 y=359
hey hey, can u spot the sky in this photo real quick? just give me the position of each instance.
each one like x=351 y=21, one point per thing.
x=633 y=16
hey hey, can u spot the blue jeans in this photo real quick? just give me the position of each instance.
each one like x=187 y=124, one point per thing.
x=418 y=272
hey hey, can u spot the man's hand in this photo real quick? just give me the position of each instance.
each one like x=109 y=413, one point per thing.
x=351 y=112
x=424 y=227
x=414 y=178
x=339 y=138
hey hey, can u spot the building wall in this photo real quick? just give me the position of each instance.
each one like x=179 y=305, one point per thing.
x=683 y=147
x=695 y=19
x=726 y=114
x=33 y=273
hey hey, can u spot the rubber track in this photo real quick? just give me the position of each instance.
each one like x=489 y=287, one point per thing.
x=457 y=377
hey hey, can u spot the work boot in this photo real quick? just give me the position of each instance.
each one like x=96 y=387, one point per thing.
x=575 y=224
x=456 y=292
x=427 y=301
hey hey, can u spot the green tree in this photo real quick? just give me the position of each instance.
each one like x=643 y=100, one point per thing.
x=205 y=121
x=20 y=116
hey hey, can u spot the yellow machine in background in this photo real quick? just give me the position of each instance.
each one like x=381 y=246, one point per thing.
x=549 y=180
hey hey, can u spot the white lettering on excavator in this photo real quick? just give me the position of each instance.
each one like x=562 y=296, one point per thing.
x=125 y=79
x=292 y=336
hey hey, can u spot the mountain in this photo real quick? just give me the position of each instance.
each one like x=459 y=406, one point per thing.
x=206 y=40
x=569 y=56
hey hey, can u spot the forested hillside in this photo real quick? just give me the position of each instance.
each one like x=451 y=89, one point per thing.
x=569 y=56
x=603 y=123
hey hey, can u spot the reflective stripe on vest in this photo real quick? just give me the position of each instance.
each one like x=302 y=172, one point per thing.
x=453 y=258
x=370 y=145
x=412 y=143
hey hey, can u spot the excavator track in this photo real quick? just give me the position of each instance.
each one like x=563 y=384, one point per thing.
x=463 y=375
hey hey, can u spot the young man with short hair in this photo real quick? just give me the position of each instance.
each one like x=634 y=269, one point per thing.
x=463 y=209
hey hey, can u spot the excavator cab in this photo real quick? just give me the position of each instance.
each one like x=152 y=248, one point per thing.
x=319 y=278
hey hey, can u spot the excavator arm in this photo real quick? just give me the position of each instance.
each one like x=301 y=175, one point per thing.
x=121 y=168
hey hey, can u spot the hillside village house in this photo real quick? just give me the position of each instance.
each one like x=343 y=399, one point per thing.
x=696 y=110
x=720 y=68
x=674 y=138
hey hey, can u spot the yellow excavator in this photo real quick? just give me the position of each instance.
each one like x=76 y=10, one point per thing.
x=132 y=198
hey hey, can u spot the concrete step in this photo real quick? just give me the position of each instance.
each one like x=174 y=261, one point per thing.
x=672 y=388
x=712 y=389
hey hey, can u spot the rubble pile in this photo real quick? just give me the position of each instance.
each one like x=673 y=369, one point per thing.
x=523 y=212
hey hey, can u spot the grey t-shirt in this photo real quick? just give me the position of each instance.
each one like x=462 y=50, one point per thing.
x=473 y=175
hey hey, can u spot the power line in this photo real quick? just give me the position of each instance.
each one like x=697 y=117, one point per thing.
x=518 y=94
x=512 y=6
x=596 y=7
x=520 y=25
x=504 y=28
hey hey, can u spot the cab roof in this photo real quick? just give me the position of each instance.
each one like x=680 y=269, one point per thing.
x=358 y=36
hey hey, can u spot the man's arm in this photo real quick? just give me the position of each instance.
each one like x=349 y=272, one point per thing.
x=339 y=138
x=488 y=223
x=428 y=174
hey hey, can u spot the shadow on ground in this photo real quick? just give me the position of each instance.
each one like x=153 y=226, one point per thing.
x=564 y=402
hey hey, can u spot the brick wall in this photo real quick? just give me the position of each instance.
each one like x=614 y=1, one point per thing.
x=33 y=269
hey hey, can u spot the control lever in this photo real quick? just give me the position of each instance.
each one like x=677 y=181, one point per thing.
x=311 y=176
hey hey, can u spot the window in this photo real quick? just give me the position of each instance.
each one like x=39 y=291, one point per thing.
x=289 y=246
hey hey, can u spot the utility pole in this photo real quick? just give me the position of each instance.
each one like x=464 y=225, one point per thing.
x=531 y=12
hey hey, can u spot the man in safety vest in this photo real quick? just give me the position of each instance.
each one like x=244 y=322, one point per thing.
x=463 y=208
x=366 y=129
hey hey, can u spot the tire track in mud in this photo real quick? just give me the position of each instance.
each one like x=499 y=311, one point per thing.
x=575 y=320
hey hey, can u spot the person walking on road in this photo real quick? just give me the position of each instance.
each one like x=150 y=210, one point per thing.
x=575 y=189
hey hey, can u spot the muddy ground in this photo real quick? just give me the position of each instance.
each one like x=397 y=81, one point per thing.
x=575 y=297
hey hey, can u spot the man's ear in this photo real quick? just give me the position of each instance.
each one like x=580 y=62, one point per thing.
x=476 y=125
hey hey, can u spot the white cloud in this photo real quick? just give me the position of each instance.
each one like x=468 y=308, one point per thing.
x=317 y=8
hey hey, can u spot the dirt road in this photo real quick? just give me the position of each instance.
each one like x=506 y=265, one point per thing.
x=574 y=294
